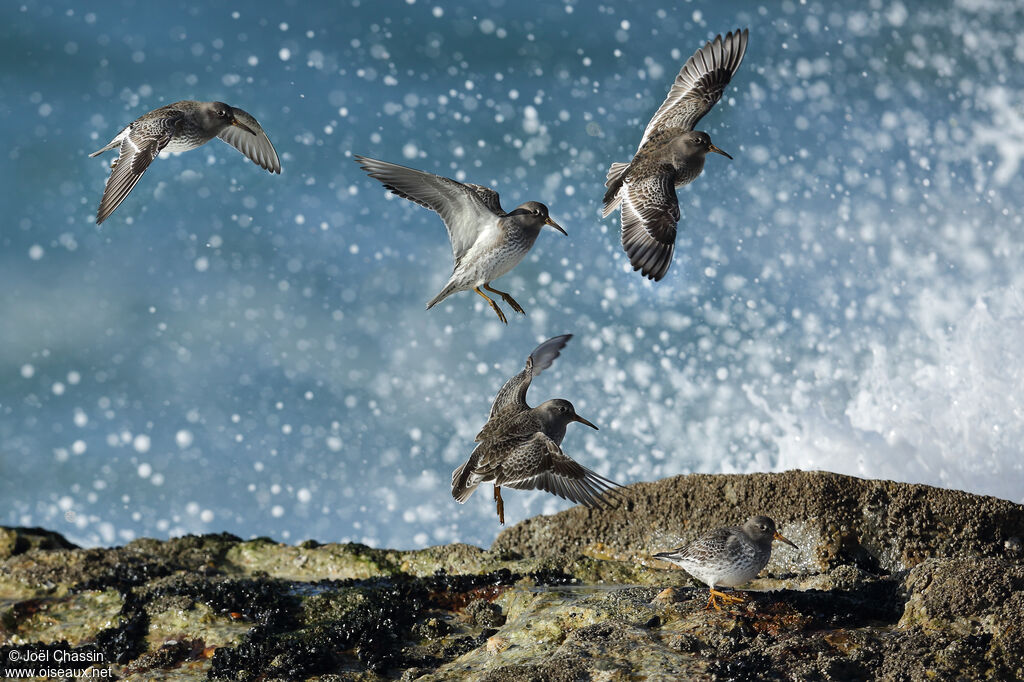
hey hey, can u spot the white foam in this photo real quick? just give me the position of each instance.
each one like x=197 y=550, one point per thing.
x=945 y=407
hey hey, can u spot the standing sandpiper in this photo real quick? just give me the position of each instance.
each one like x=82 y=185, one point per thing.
x=180 y=127
x=520 y=445
x=728 y=556
x=671 y=154
x=486 y=241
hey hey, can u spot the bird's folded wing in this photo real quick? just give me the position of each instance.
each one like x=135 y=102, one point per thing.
x=650 y=211
x=141 y=144
x=257 y=148
x=461 y=207
x=708 y=545
x=737 y=545
x=539 y=463
x=514 y=390
x=700 y=83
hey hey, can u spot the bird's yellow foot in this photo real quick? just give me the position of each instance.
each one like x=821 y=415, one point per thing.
x=501 y=315
x=512 y=302
x=507 y=297
x=726 y=598
x=500 y=503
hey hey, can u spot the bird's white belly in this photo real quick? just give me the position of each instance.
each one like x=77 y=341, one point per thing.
x=722 y=575
x=488 y=259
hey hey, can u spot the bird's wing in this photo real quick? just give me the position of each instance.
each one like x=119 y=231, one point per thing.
x=539 y=463
x=700 y=83
x=460 y=206
x=650 y=211
x=142 y=142
x=669 y=554
x=514 y=390
x=489 y=198
x=736 y=544
x=257 y=147
x=711 y=544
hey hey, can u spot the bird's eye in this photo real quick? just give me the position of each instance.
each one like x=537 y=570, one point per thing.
x=222 y=113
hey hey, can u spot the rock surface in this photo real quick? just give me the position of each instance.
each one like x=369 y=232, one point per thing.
x=892 y=582
x=875 y=525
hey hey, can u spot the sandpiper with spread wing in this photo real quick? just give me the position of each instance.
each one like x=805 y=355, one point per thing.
x=179 y=127
x=671 y=154
x=520 y=446
x=486 y=241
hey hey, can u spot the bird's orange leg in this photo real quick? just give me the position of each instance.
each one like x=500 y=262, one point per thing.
x=501 y=315
x=726 y=597
x=507 y=298
x=500 y=503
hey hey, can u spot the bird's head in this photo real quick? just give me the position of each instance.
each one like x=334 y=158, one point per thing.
x=223 y=115
x=536 y=213
x=762 y=530
x=698 y=142
x=557 y=414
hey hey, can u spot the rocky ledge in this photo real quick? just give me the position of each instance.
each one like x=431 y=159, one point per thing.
x=891 y=582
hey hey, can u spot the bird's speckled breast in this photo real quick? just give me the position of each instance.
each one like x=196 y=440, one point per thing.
x=189 y=133
x=728 y=566
x=688 y=171
x=491 y=258
x=188 y=138
x=660 y=152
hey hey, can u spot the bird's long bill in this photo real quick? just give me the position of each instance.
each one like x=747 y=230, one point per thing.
x=236 y=122
x=581 y=420
x=713 y=148
x=779 y=536
x=558 y=227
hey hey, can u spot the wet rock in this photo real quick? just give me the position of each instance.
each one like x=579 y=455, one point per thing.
x=432 y=628
x=485 y=614
x=169 y=655
x=875 y=526
x=20 y=540
x=976 y=604
x=75 y=618
x=891 y=582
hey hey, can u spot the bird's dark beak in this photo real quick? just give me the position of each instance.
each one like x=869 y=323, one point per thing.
x=552 y=223
x=713 y=148
x=236 y=122
x=581 y=420
x=779 y=536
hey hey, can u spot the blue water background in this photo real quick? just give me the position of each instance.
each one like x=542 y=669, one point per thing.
x=244 y=352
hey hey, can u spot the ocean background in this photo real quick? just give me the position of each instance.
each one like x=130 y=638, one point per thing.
x=238 y=351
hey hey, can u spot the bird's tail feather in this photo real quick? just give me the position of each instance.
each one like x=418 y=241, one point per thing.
x=616 y=176
x=461 y=488
x=113 y=144
x=448 y=290
x=110 y=145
